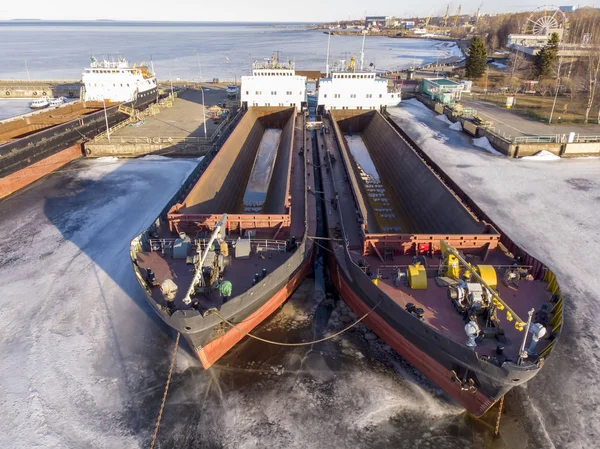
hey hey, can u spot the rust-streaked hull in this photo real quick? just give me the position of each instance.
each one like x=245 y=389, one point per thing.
x=474 y=402
x=22 y=178
x=218 y=347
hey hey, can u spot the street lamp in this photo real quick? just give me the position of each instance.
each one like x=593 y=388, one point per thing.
x=106 y=119
x=203 y=111
x=202 y=90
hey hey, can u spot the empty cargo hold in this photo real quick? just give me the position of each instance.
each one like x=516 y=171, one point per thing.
x=420 y=201
x=386 y=216
x=229 y=178
x=260 y=178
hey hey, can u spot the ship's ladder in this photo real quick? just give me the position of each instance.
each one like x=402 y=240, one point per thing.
x=130 y=111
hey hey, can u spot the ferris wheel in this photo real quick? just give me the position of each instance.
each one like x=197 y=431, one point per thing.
x=545 y=19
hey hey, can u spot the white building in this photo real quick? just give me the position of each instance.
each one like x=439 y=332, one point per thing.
x=350 y=88
x=273 y=84
x=116 y=81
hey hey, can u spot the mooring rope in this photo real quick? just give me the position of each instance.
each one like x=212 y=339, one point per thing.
x=305 y=343
x=164 y=399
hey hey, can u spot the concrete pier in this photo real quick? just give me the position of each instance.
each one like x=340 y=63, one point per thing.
x=175 y=129
x=38 y=89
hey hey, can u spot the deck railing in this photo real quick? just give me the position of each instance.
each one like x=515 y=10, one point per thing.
x=258 y=245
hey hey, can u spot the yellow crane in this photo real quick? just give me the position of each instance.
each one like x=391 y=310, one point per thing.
x=446 y=16
x=455 y=21
x=428 y=18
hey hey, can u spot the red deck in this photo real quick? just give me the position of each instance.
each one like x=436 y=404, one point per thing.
x=439 y=312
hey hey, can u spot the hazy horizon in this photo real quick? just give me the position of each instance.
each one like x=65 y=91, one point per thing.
x=259 y=11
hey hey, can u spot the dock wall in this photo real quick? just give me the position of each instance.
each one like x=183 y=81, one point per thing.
x=38 y=89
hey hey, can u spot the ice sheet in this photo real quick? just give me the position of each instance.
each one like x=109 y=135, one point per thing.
x=551 y=210
x=75 y=330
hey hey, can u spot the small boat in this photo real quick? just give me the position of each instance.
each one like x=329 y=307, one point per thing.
x=55 y=102
x=233 y=90
x=39 y=103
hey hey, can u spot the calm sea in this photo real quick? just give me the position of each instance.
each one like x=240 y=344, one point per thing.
x=60 y=50
x=225 y=51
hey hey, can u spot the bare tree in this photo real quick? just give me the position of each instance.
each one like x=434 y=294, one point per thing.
x=593 y=69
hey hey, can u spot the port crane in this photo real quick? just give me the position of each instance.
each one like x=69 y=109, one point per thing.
x=455 y=21
x=428 y=18
x=446 y=16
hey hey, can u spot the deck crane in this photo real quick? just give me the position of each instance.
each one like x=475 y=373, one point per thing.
x=446 y=16
x=477 y=13
x=455 y=21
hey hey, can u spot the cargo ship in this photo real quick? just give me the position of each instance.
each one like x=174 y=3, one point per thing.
x=442 y=285
x=237 y=245
x=36 y=144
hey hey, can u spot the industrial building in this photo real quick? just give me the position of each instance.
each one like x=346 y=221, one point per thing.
x=444 y=90
x=378 y=21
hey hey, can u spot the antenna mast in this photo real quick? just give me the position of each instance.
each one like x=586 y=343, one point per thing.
x=362 y=51
x=327 y=64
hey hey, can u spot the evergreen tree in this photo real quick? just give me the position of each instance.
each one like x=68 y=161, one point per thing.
x=477 y=59
x=546 y=59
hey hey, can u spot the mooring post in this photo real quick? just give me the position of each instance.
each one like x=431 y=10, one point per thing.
x=497 y=430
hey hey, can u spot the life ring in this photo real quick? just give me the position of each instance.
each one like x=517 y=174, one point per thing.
x=7 y=93
x=44 y=94
x=35 y=94
x=156 y=139
x=71 y=94
x=88 y=151
x=170 y=140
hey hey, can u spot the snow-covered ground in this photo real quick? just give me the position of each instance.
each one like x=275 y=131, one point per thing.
x=552 y=210
x=77 y=340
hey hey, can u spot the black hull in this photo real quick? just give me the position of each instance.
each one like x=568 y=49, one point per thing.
x=490 y=380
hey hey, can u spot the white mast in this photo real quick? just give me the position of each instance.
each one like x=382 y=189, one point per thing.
x=327 y=64
x=198 y=271
x=362 y=51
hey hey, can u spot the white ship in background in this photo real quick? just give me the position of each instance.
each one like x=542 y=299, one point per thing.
x=117 y=81
x=350 y=86
x=274 y=83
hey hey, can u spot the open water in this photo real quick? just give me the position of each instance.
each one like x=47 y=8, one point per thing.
x=189 y=51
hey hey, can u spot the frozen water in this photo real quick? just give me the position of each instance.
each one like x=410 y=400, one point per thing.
x=483 y=142
x=552 y=211
x=75 y=332
x=543 y=155
x=456 y=126
x=444 y=119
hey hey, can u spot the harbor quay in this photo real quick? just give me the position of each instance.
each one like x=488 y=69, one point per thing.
x=170 y=128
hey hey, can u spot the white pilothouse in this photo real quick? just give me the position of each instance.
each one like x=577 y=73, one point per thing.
x=349 y=85
x=117 y=81
x=274 y=83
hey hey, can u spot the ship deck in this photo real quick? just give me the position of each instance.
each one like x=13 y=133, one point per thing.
x=268 y=243
x=240 y=272
x=439 y=311
x=46 y=118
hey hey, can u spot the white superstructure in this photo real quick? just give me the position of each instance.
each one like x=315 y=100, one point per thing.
x=117 y=81
x=349 y=87
x=273 y=84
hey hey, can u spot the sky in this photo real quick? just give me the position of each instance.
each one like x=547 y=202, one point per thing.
x=255 y=10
